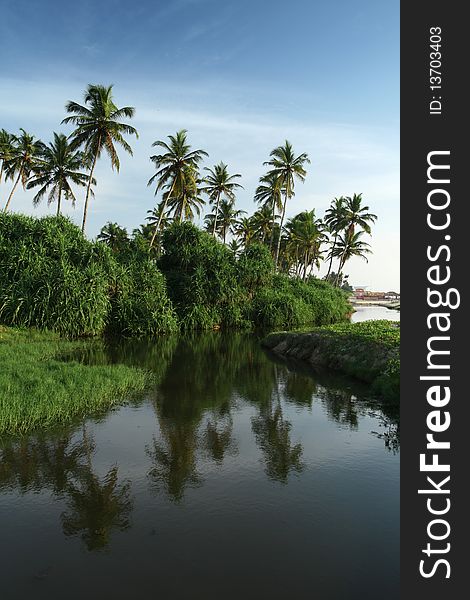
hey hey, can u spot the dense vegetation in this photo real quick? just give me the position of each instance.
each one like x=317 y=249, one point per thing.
x=52 y=277
x=38 y=388
x=369 y=351
x=298 y=245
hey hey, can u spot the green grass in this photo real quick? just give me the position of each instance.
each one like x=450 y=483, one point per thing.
x=369 y=351
x=37 y=389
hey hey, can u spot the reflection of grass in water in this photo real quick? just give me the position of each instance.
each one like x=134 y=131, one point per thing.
x=38 y=389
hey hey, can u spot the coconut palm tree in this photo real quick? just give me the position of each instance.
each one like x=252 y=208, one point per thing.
x=157 y=216
x=6 y=149
x=226 y=218
x=286 y=168
x=335 y=219
x=244 y=230
x=357 y=215
x=269 y=194
x=114 y=236
x=263 y=222
x=24 y=156
x=186 y=199
x=58 y=167
x=219 y=183
x=170 y=165
x=98 y=128
x=349 y=245
x=305 y=237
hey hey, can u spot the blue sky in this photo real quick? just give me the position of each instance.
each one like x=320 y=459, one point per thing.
x=241 y=77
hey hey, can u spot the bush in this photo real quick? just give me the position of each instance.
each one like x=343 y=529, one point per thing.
x=140 y=306
x=201 y=276
x=292 y=303
x=52 y=277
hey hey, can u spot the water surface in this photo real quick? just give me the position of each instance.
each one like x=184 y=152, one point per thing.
x=236 y=477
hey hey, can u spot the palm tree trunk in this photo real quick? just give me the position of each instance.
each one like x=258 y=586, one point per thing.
x=12 y=191
x=331 y=259
x=272 y=228
x=162 y=212
x=58 y=201
x=1 y=171
x=276 y=260
x=216 y=214
x=90 y=179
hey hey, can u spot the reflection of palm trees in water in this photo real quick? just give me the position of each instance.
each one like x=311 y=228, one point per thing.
x=272 y=434
x=174 y=457
x=218 y=439
x=58 y=462
x=95 y=506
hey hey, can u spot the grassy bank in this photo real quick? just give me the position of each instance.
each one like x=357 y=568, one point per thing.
x=37 y=389
x=368 y=351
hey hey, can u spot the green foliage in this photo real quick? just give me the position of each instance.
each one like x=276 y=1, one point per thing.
x=292 y=303
x=38 y=389
x=51 y=277
x=201 y=275
x=140 y=306
x=255 y=267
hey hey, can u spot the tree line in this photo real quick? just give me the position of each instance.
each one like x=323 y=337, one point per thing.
x=297 y=245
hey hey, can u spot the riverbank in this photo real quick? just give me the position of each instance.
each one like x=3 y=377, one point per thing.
x=368 y=351
x=38 y=389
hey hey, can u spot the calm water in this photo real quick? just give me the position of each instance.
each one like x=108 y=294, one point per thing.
x=373 y=313
x=236 y=477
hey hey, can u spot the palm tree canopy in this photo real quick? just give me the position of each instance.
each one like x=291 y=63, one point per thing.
x=358 y=215
x=6 y=145
x=185 y=198
x=286 y=167
x=336 y=215
x=220 y=183
x=98 y=125
x=55 y=170
x=24 y=153
x=349 y=246
x=170 y=164
x=113 y=236
x=269 y=192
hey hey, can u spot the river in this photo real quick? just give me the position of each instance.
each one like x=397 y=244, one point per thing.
x=238 y=476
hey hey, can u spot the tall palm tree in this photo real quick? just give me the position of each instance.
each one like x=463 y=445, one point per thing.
x=171 y=167
x=245 y=230
x=263 y=222
x=358 y=215
x=226 y=218
x=99 y=128
x=58 y=167
x=186 y=199
x=286 y=168
x=157 y=216
x=24 y=156
x=220 y=183
x=269 y=194
x=305 y=236
x=335 y=219
x=114 y=236
x=349 y=245
x=6 y=149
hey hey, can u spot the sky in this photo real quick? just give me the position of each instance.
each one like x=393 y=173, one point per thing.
x=241 y=76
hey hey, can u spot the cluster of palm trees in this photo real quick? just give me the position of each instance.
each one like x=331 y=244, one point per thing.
x=67 y=160
x=298 y=245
